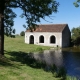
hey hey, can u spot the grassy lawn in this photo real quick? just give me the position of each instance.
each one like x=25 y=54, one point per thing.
x=15 y=65
x=17 y=44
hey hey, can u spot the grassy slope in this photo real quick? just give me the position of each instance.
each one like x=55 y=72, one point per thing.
x=11 y=69
x=17 y=44
x=12 y=66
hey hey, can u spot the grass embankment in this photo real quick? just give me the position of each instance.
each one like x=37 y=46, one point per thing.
x=18 y=44
x=14 y=67
x=16 y=64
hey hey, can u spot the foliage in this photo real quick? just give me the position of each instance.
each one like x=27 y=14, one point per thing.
x=76 y=35
x=9 y=16
x=58 y=72
x=62 y=73
x=34 y=10
x=76 y=3
x=22 y=33
x=53 y=68
x=71 y=78
x=39 y=49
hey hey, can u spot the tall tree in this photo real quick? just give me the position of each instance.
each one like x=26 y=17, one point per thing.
x=76 y=35
x=33 y=10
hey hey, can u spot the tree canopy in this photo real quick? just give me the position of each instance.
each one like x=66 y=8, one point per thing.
x=9 y=16
x=76 y=35
x=33 y=10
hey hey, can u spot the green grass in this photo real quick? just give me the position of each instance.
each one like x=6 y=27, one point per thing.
x=14 y=66
x=17 y=44
x=17 y=65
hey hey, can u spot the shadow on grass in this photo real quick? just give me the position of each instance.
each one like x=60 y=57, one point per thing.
x=4 y=61
x=26 y=58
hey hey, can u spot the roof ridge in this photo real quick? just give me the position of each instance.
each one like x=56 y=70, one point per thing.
x=53 y=24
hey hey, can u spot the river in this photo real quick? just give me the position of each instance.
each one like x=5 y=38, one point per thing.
x=70 y=60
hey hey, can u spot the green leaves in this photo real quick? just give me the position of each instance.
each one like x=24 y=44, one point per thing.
x=76 y=3
x=75 y=33
x=33 y=10
x=76 y=36
x=22 y=33
x=9 y=16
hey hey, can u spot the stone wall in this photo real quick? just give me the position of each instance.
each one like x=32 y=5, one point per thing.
x=47 y=36
x=66 y=36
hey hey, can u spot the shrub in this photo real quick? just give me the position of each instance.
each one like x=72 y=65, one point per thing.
x=39 y=49
x=54 y=70
x=62 y=73
x=12 y=36
x=22 y=33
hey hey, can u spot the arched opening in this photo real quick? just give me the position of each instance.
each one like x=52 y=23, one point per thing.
x=52 y=39
x=41 y=39
x=31 y=39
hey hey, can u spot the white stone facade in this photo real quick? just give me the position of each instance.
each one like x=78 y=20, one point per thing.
x=46 y=35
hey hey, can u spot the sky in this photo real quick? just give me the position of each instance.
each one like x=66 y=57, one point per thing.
x=67 y=14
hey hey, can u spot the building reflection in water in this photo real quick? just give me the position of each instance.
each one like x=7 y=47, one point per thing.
x=50 y=57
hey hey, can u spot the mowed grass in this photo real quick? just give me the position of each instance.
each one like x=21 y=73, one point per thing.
x=18 y=44
x=13 y=66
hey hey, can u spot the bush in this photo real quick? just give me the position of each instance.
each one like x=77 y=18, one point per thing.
x=12 y=36
x=22 y=33
x=39 y=49
x=53 y=68
x=62 y=73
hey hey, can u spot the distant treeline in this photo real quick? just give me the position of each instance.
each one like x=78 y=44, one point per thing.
x=75 y=36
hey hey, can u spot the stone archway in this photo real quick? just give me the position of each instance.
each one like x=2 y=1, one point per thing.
x=31 y=39
x=53 y=39
x=41 y=39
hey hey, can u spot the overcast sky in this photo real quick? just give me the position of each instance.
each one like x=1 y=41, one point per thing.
x=67 y=14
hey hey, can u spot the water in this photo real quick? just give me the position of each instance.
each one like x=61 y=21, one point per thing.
x=70 y=60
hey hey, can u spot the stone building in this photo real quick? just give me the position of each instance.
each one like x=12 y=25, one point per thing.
x=49 y=35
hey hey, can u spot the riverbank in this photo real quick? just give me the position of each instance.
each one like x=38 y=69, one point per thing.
x=15 y=66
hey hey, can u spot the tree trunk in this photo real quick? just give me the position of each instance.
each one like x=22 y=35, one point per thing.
x=2 y=3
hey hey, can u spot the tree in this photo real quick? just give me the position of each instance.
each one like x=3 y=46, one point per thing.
x=22 y=33
x=76 y=31
x=9 y=16
x=33 y=10
x=75 y=35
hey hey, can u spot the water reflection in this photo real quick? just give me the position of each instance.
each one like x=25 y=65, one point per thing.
x=70 y=60
x=50 y=57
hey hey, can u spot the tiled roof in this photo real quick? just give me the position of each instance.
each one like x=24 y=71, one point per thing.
x=50 y=28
